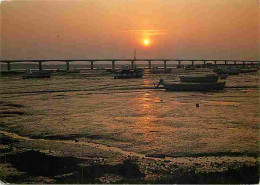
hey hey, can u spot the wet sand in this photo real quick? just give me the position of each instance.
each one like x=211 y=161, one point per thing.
x=102 y=130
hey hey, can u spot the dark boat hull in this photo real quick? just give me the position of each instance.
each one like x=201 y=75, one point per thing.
x=248 y=70
x=194 y=86
x=160 y=71
x=189 y=68
x=200 y=79
x=43 y=74
x=234 y=71
x=128 y=74
x=223 y=76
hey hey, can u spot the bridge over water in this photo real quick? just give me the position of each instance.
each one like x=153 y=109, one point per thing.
x=135 y=61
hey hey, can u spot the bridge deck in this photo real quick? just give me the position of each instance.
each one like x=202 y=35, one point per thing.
x=165 y=61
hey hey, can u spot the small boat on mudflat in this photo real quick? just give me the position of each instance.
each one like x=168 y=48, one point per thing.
x=189 y=67
x=231 y=70
x=125 y=72
x=209 y=78
x=248 y=70
x=156 y=70
x=223 y=76
x=37 y=74
x=192 y=86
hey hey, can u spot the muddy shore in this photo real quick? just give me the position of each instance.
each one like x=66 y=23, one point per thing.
x=54 y=138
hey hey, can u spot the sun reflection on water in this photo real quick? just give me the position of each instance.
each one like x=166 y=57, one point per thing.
x=146 y=122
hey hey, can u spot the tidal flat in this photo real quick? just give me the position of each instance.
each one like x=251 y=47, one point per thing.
x=74 y=128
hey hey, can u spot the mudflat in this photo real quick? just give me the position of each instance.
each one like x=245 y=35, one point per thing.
x=73 y=128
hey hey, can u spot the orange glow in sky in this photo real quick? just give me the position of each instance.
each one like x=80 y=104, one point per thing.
x=193 y=29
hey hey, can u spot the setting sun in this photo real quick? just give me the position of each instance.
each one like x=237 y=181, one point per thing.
x=146 y=42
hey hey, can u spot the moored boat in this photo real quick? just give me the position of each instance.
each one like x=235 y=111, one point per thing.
x=189 y=67
x=37 y=74
x=231 y=70
x=223 y=76
x=125 y=72
x=155 y=70
x=192 y=86
x=209 y=78
x=248 y=70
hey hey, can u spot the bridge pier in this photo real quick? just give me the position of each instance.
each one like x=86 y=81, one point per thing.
x=149 y=64
x=165 y=64
x=215 y=62
x=9 y=66
x=68 y=65
x=113 y=65
x=132 y=64
x=91 y=64
x=40 y=66
x=225 y=62
x=179 y=63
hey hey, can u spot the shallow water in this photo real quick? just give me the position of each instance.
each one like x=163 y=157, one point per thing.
x=128 y=115
x=100 y=117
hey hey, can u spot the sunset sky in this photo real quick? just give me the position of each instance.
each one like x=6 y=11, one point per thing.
x=85 y=29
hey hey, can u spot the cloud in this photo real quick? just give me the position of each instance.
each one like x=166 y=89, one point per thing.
x=148 y=32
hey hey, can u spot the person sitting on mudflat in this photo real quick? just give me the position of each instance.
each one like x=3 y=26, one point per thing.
x=160 y=83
